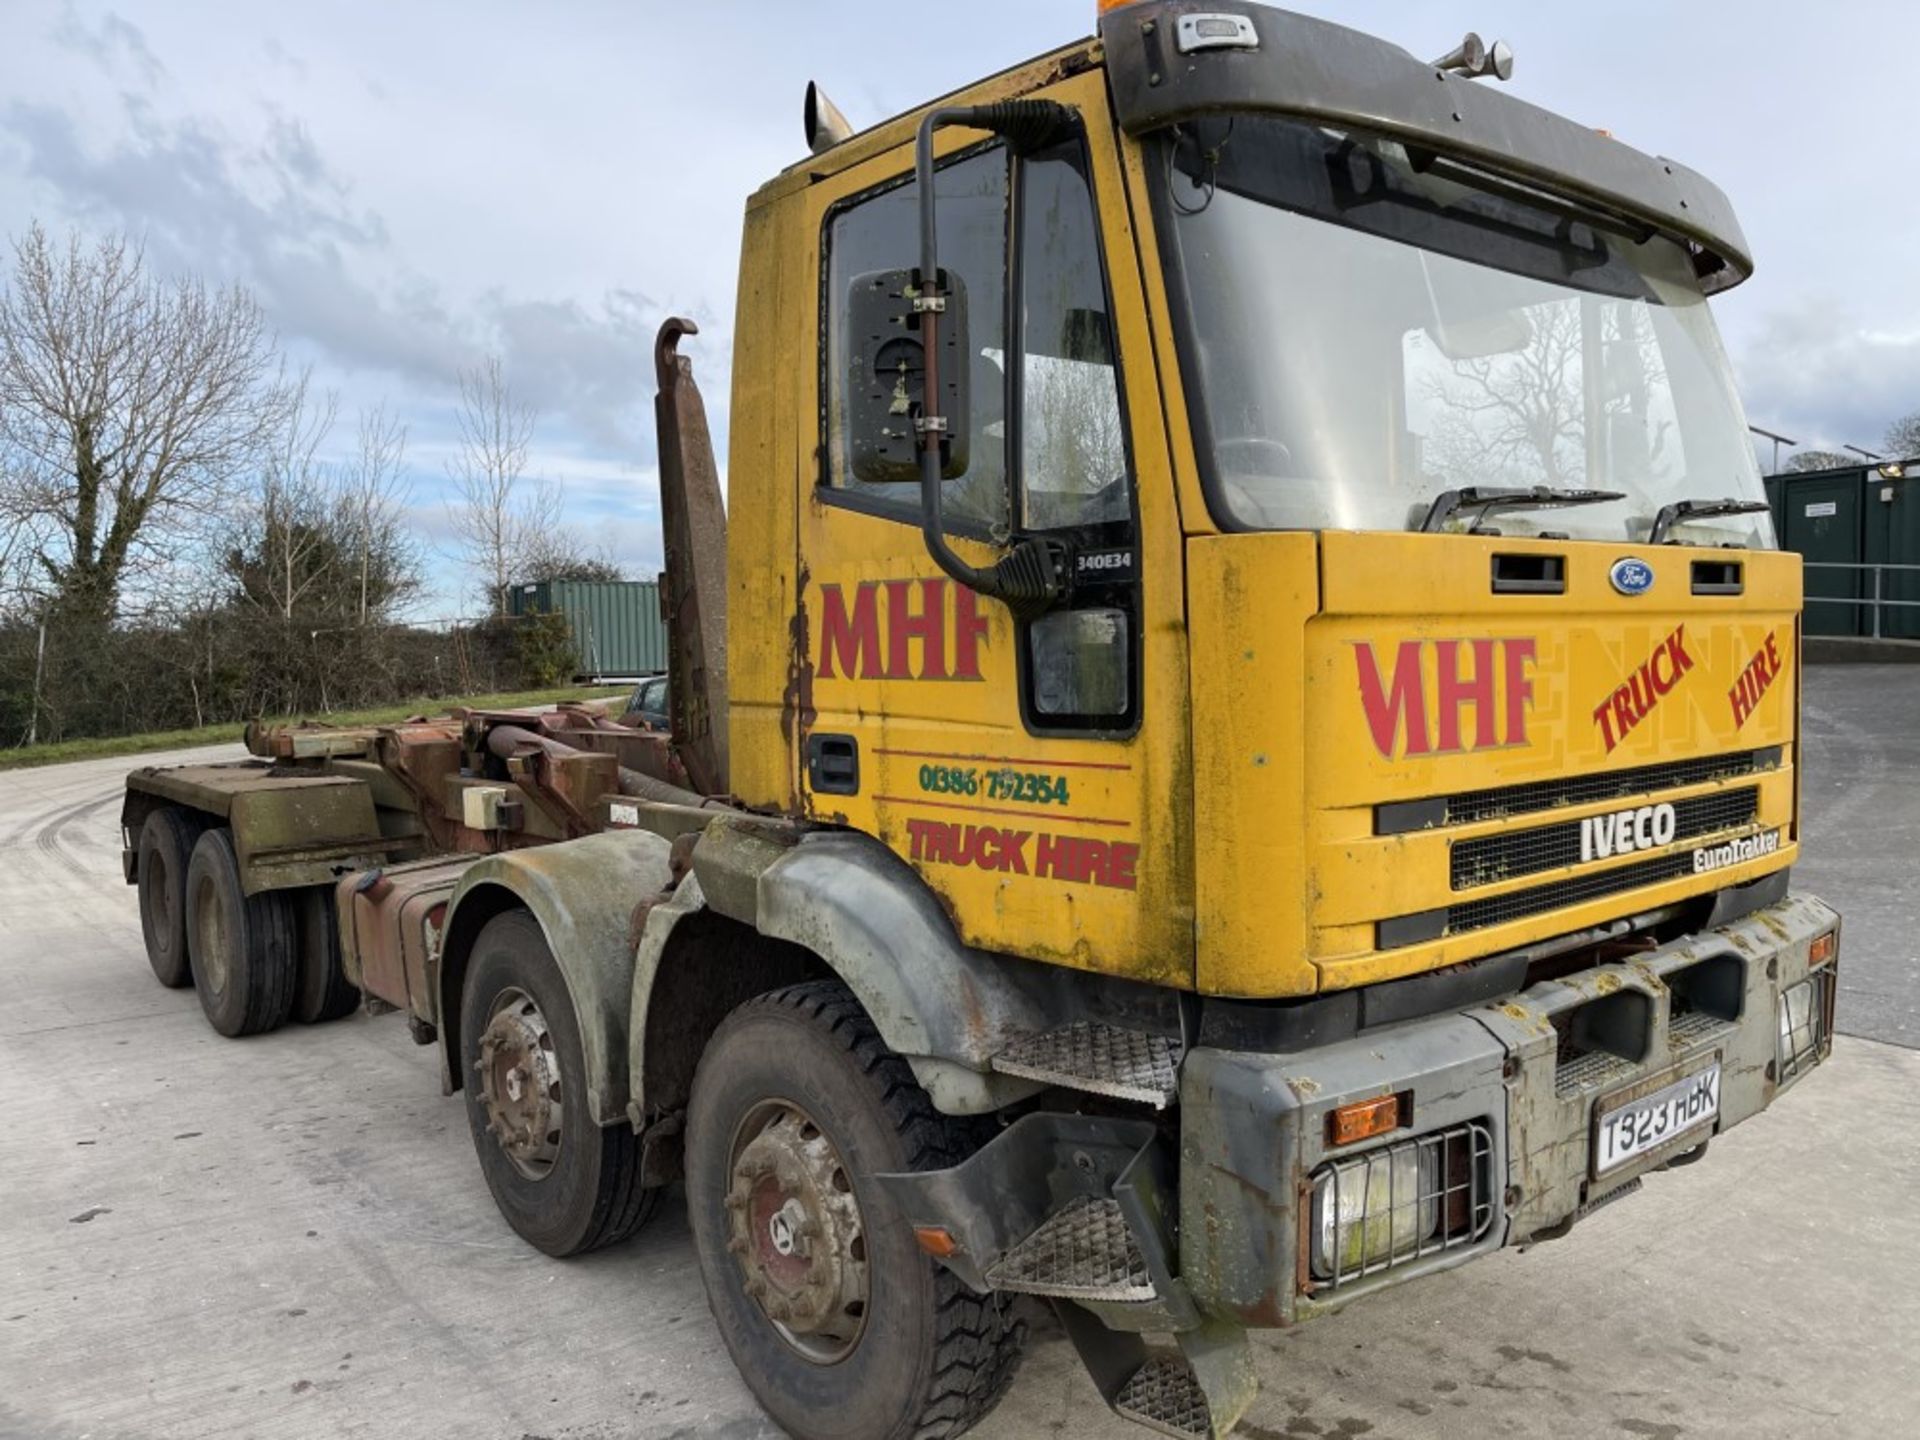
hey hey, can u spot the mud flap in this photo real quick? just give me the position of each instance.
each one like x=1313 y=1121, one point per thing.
x=1082 y=1210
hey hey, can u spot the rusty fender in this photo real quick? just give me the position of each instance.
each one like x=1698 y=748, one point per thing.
x=852 y=902
x=582 y=892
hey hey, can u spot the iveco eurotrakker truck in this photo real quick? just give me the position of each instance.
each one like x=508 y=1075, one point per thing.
x=1236 y=747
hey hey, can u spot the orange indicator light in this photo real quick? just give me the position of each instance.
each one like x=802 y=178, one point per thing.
x=1363 y=1119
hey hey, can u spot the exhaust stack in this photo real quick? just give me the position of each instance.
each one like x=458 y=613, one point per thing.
x=826 y=126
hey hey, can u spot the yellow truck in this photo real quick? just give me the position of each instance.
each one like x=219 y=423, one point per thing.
x=1241 y=734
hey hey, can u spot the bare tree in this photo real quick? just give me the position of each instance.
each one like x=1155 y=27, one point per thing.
x=1902 y=440
x=560 y=553
x=375 y=497
x=503 y=515
x=127 y=405
x=295 y=506
x=1819 y=460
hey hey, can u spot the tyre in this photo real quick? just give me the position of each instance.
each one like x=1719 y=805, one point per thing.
x=321 y=990
x=165 y=849
x=838 y=1322
x=242 y=947
x=564 y=1183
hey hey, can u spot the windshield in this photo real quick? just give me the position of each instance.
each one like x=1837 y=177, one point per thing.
x=1373 y=327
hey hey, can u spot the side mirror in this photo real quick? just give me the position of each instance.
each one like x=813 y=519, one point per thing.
x=887 y=376
x=1031 y=576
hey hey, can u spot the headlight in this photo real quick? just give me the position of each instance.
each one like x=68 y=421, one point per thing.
x=1806 y=1016
x=1373 y=1210
x=1401 y=1201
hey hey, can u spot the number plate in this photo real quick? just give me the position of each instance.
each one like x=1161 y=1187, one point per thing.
x=1637 y=1127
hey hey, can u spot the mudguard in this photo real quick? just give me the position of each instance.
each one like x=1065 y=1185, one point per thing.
x=583 y=894
x=851 y=901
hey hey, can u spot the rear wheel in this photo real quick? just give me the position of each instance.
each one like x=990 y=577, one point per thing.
x=564 y=1183
x=242 y=947
x=165 y=850
x=838 y=1322
x=322 y=991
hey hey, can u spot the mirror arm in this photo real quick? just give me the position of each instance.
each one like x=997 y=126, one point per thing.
x=1032 y=576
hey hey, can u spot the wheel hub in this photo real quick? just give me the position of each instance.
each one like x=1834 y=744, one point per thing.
x=796 y=1232
x=519 y=1072
x=210 y=926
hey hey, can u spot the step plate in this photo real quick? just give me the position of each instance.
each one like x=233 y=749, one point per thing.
x=1100 y=1060
x=1164 y=1395
x=1081 y=1252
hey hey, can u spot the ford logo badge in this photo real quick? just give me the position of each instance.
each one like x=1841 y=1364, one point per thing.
x=1631 y=576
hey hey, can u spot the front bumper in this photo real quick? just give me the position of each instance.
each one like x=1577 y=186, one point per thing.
x=1503 y=1101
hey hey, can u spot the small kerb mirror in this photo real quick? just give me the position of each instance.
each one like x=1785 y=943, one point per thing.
x=887 y=376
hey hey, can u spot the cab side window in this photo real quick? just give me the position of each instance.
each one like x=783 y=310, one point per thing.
x=881 y=231
x=1073 y=461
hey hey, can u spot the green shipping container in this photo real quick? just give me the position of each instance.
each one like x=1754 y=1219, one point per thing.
x=1860 y=516
x=617 y=629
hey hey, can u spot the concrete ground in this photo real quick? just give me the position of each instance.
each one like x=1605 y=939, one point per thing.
x=289 y=1236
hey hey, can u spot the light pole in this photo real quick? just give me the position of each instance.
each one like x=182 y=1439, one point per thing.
x=1778 y=441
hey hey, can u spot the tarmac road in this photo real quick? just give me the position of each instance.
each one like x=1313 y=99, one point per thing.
x=288 y=1236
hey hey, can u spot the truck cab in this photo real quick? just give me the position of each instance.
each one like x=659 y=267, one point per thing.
x=1409 y=721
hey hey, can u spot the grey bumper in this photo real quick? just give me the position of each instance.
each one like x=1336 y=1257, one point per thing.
x=1503 y=1101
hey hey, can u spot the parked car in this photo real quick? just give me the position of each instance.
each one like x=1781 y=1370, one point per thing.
x=648 y=705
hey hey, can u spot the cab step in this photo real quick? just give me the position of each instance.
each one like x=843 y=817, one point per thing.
x=1099 y=1060
x=1083 y=1251
x=1165 y=1395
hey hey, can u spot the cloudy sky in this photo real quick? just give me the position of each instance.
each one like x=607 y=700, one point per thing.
x=409 y=187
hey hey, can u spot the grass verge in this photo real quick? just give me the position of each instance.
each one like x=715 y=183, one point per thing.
x=101 y=747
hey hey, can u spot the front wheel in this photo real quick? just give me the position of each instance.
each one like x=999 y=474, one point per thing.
x=841 y=1326
x=564 y=1183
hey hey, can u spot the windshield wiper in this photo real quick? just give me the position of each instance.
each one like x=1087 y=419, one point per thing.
x=1449 y=503
x=1682 y=511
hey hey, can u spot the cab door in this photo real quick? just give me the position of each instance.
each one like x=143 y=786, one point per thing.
x=1033 y=773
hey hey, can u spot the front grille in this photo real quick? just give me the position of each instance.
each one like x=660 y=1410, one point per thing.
x=1498 y=909
x=1475 y=805
x=1401 y=1202
x=1494 y=858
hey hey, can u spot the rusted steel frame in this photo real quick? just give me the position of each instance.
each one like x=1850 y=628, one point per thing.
x=694 y=597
